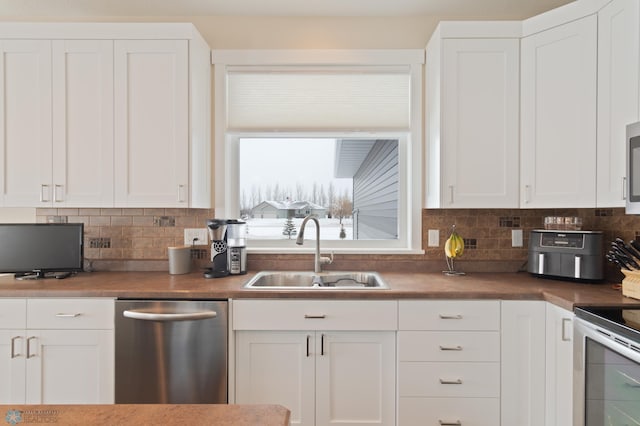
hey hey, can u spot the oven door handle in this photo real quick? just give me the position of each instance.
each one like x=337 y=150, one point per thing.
x=154 y=316
x=630 y=381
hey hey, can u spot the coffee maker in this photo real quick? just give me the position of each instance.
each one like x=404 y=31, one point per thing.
x=236 y=247
x=218 y=236
x=228 y=248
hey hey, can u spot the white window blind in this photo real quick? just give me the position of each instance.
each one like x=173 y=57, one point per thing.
x=371 y=99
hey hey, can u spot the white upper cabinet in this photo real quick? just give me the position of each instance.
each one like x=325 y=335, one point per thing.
x=151 y=123
x=473 y=101
x=618 y=95
x=558 y=116
x=58 y=123
x=82 y=123
x=25 y=123
x=103 y=115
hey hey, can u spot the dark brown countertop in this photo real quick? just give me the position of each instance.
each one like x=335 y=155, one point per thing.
x=161 y=285
x=147 y=414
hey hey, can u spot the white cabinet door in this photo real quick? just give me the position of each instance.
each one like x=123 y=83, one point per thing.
x=355 y=378
x=322 y=377
x=277 y=367
x=70 y=367
x=480 y=123
x=25 y=123
x=559 y=348
x=558 y=116
x=618 y=94
x=151 y=123
x=12 y=366
x=82 y=123
x=523 y=363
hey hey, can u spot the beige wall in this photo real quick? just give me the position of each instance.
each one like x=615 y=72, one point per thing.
x=17 y=215
x=238 y=32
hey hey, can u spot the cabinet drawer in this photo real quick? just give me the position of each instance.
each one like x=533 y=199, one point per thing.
x=449 y=379
x=13 y=313
x=53 y=313
x=315 y=315
x=444 y=411
x=449 y=315
x=448 y=346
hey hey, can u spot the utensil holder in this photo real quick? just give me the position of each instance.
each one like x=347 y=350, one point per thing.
x=631 y=284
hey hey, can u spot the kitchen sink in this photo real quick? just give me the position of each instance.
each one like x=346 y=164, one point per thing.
x=281 y=280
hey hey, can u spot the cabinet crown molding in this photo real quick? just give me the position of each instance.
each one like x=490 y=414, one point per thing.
x=98 y=30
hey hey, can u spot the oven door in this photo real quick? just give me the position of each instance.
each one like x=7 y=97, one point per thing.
x=606 y=377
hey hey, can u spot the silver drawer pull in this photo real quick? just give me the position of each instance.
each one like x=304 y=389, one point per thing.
x=307 y=316
x=450 y=382
x=446 y=423
x=62 y=315
x=451 y=348
x=450 y=316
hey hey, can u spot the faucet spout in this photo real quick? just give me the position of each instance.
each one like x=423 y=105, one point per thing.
x=319 y=260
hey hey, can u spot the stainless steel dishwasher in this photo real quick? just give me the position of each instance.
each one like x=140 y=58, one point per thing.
x=171 y=352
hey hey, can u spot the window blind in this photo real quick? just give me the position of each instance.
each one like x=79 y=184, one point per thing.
x=318 y=100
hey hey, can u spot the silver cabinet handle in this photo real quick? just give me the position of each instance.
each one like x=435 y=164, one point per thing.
x=446 y=423
x=624 y=187
x=450 y=194
x=44 y=193
x=451 y=382
x=450 y=316
x=181 y=197
x=451 y=348
x=308 y=339
x=13 y=347
x=29 y=354
x=154 y=316
x=63 y=315
x=527 y=193
x=307 y=316
x=566 y=337
x=56 y=191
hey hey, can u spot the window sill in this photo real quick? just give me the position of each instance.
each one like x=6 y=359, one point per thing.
x=285 y=250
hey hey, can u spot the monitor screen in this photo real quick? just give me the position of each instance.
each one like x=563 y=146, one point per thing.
x=40 y=248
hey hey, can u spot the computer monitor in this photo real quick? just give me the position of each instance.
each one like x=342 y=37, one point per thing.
x=36 y=249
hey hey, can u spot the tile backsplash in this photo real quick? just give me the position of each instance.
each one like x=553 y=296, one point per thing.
x=137 y=238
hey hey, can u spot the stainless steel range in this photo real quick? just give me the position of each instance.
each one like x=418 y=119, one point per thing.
x=607 y=366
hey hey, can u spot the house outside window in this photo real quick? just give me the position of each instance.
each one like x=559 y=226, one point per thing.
x=337 y=134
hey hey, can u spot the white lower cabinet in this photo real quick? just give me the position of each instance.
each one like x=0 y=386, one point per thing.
x=339 y=376
x=449 y=362
x=523 y=363
x=56 y=351
x=559 y=366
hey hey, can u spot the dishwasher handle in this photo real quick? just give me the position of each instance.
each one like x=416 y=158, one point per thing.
x=154 y=316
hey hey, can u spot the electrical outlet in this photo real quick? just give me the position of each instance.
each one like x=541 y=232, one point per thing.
x=516 y=238
x=434 y=238
x=200 y=235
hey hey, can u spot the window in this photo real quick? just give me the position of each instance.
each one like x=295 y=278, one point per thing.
x=331 y=140
x=350 y=184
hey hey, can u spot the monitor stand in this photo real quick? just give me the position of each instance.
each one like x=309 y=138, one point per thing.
x=35 y=275
x=38 y=275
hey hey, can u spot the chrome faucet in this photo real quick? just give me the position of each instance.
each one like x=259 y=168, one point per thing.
x=319 y=260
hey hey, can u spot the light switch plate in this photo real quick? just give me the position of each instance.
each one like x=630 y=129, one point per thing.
x=516 y=238
x=200 y=233
x=434 y=238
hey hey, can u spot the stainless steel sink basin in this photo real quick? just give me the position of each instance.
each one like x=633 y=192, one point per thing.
x=288 y=280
